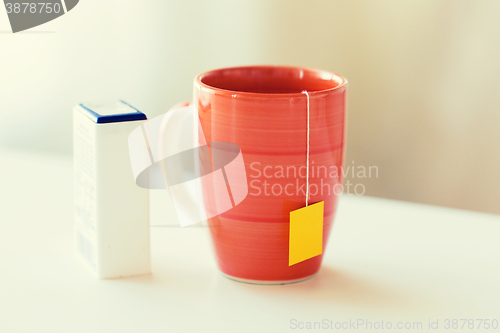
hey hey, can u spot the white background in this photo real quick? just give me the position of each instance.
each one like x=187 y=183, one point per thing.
x=424 y=77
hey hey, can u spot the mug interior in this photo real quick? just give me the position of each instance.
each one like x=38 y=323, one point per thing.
x=271 y=80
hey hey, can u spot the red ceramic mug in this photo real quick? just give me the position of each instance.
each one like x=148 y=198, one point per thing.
x=263 y=109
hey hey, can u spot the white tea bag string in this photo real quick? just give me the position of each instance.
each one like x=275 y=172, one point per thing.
x=307 y=159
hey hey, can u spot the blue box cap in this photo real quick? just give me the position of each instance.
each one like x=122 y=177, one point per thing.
x=111 y=112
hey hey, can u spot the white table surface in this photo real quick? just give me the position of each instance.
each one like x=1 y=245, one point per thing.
x=386 y=260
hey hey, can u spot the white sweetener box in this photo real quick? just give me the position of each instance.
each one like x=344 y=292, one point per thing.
x=111 y=211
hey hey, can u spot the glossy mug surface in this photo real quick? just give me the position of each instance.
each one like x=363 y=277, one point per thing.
x=263 y=109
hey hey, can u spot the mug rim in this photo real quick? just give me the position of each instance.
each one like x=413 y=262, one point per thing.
x=318 y=72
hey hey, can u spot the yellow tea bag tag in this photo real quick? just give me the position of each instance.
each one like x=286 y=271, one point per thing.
x=306 y=233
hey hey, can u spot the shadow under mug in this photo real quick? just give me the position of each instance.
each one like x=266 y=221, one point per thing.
x=263 y=109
